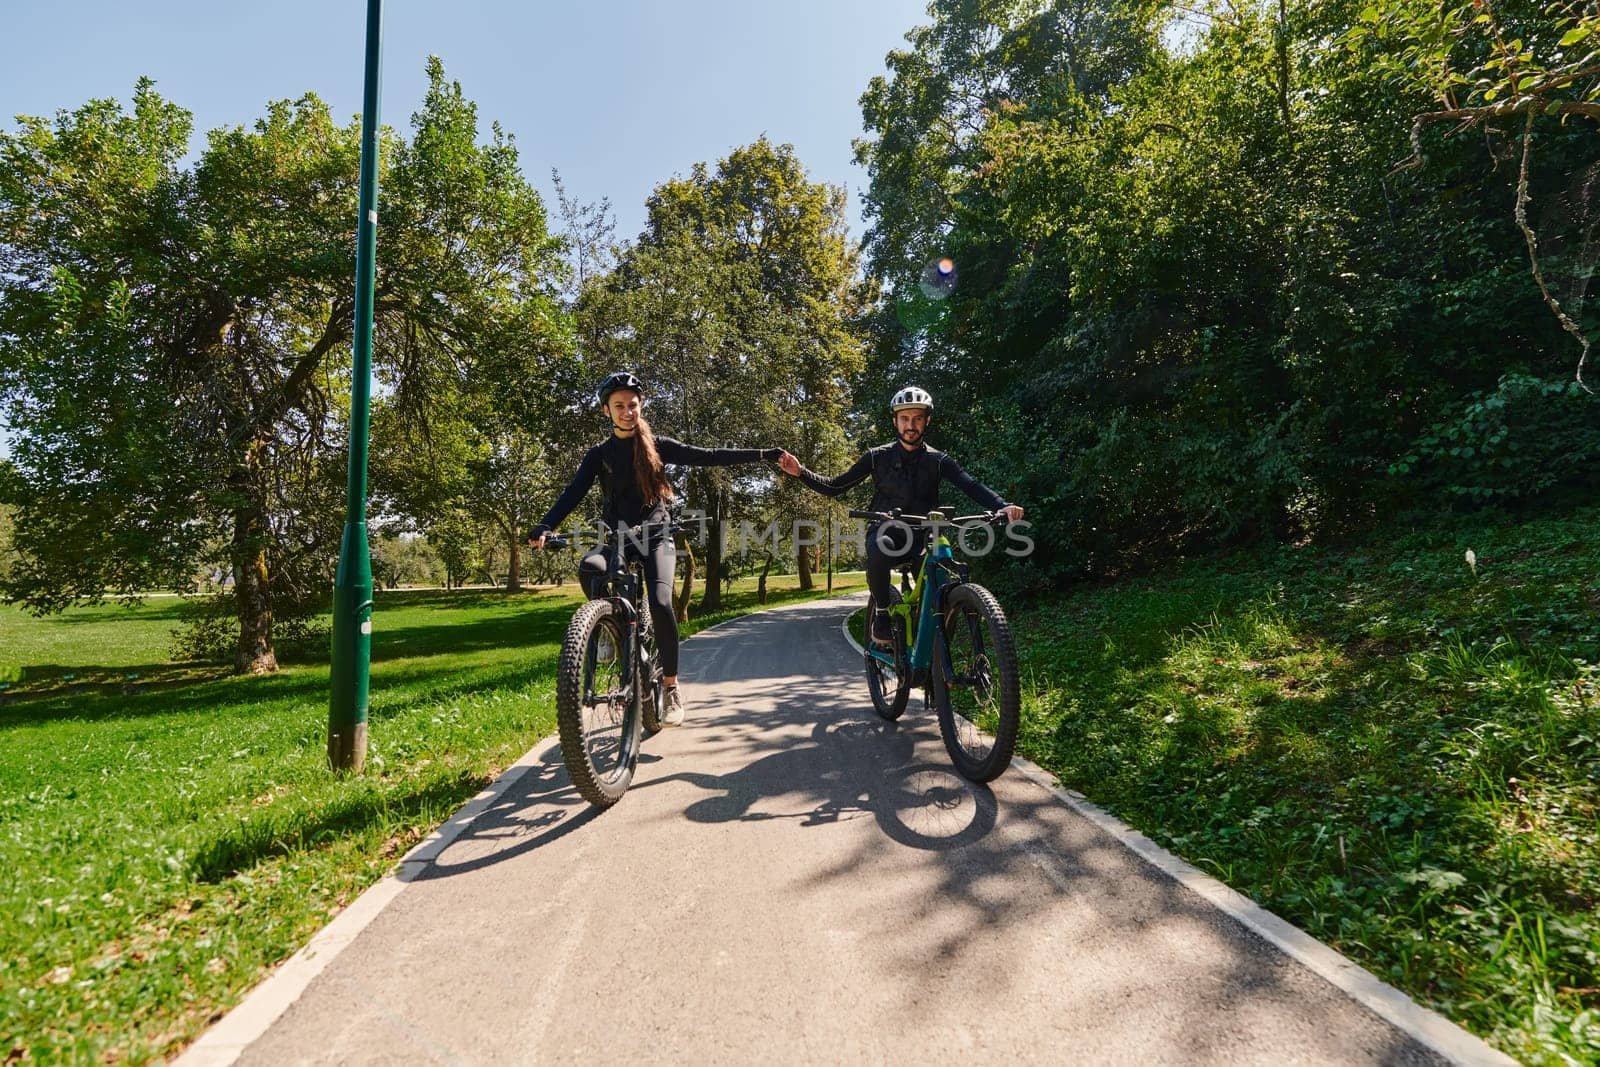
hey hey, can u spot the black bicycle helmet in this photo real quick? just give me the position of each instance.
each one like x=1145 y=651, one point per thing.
x=618 y=380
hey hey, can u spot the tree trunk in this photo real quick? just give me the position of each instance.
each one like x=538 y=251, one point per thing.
x=252 y=596
x=680 y=604
x=828 y=518
x=514 y=568
x=761 y=586
x=712 y=600
x=1282 y=49
x=802 y=558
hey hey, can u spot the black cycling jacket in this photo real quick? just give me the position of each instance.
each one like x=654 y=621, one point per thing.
x=908 y=480
x=612 y=462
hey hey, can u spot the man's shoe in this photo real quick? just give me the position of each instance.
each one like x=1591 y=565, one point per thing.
x=672 y=707
x=882 y=631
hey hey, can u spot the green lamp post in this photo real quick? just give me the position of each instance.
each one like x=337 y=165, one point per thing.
x=352 y=589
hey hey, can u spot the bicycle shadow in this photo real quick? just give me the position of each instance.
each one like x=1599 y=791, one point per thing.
x=539 y=808
x=846 y=766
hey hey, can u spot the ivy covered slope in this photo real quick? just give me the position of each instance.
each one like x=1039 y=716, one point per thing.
x=1388 y=744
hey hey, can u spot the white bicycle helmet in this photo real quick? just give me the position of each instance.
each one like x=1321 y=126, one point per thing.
x=912 y=396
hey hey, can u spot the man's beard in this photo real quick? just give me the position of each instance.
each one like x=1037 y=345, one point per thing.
x=910 y=437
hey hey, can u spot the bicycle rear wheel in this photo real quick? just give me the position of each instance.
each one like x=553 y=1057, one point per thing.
x=594 y=704
x=889 y=690
x=975 y=687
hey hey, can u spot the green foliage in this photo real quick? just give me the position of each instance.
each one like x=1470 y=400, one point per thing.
x=1196 y=304
x=1526 y=437
x=301 y=631
x=400 y=561
x=1534 y=65
x=8 y=554
x=1510 y=57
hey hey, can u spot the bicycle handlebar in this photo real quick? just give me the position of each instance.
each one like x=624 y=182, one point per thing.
x=553 y=543
x=994 y=517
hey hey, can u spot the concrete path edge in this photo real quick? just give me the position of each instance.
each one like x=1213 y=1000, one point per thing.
x=226 y=1039
x=1424 y=1025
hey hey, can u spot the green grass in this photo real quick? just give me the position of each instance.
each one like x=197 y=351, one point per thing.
x=857 y=622
x=169 y=833
x=1393 y=752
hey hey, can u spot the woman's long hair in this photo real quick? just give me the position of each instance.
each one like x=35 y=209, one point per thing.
x=647 y=468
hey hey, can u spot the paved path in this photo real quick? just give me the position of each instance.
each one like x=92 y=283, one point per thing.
x=793 y=880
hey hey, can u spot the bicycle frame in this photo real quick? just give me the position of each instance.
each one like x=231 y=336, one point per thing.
x=927 y=594
x=624 y=586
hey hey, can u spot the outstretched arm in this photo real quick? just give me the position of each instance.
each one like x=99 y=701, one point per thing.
x=955 y=475
x=587 y=471
x=674 y=451
x=837 y=486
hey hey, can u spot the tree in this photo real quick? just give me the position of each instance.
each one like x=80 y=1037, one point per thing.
x=454 y=536
x=196 y=312
x=737 y=297
x=405 y=560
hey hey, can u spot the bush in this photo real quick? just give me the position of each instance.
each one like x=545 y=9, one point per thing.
x=300 y=631
x=1526 y=437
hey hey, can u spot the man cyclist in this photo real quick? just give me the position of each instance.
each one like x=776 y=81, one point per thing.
x=906 y=474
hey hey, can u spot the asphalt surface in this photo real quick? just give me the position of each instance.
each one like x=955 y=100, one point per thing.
x=793 y=880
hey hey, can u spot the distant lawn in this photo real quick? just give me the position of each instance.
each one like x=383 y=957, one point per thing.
x=1398 y=755
x=168 y=833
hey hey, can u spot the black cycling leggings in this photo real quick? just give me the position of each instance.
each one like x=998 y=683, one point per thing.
x=881 y=559
x=659 y=563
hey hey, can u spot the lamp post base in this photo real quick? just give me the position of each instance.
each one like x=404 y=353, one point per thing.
x=347 y=750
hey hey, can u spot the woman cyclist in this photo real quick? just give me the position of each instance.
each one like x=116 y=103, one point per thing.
x=636 y=490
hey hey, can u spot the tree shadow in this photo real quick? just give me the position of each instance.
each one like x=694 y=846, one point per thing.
x=180 y=609
x=46 y=693
x=209 y=690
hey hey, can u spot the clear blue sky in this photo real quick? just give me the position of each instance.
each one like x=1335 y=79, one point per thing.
x=617 y=94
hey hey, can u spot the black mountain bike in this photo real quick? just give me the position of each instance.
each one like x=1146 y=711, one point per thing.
x=951 y=637
x=608 y=684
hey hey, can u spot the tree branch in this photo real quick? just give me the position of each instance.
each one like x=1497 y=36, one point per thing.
x=1532 y=106
x=284 y=397
x=1533 y=246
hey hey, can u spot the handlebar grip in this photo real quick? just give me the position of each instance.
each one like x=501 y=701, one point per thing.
x=858 y=514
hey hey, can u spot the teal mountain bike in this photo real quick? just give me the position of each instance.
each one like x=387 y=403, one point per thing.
x=951 y=638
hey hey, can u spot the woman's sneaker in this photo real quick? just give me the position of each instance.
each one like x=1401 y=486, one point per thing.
x=672 y=707
x=882 y=632
x=605 y=650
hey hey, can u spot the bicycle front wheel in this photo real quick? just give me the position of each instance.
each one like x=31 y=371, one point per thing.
x=594 y=704
x=975 y=688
